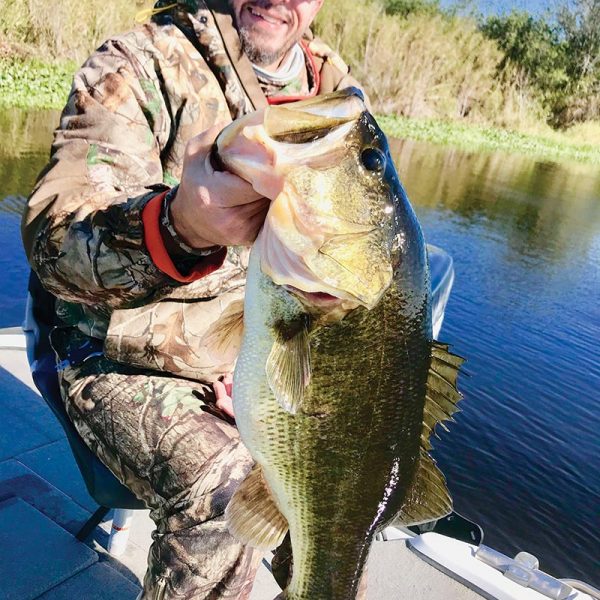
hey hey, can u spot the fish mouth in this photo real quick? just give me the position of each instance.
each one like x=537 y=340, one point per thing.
x=316 y=278
x=287 y=152
x=312 y=119
x=316 y=298
x=264 y=146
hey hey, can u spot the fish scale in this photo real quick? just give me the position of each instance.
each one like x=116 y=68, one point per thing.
x=335 y=390
x=328 y=490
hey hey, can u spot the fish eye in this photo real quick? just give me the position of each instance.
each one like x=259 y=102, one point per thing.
x=373 y=159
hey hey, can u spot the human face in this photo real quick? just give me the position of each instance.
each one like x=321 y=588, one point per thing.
x=269 y=28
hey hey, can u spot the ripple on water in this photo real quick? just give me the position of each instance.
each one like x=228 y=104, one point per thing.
x=522 y=457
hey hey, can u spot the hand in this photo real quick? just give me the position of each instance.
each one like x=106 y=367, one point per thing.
x=223 y=394
x=214 y=207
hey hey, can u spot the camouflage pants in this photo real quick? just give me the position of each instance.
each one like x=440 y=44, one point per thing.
x=164 y=439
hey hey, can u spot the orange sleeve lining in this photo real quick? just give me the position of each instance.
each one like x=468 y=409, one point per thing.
x=159 y=255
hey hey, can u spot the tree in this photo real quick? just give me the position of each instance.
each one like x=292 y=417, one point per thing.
x=534 y=46
x=579 y=23
x=404 y=8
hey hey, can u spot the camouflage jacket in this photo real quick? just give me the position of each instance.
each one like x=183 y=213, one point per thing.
x=133 y=106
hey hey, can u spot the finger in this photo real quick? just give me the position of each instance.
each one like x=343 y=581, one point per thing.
x=220 y=390
x=242 y=228
x=239 y=218
x=259 y=207
x=254 y=224
x=203 y=142
x=233 y=190
x=247 y=211
x=226 y=405
x=228 y=383
x=223 y=399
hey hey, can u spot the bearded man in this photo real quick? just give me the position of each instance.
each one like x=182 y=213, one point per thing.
x=144 y=242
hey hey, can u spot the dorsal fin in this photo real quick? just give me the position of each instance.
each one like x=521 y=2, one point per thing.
x=252 y=515
x=288 y=366
x=442 y=394
x=428 y=498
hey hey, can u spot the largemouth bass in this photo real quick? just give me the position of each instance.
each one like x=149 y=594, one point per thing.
x=338 y=384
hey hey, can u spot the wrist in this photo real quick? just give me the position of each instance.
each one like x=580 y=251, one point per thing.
x=175 y=241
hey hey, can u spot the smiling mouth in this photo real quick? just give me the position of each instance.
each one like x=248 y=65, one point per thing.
x=266 y=17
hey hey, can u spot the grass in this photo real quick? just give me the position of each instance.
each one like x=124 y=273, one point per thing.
x=427 y=66
x=552 y=145
x=62 y=30
x=436 y=75
x=32 y=84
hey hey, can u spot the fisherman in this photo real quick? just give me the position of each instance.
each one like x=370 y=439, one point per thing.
x=144 y=243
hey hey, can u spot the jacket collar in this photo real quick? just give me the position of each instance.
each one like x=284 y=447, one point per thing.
x=219 y=12
x=208 y=24
x=240 y=62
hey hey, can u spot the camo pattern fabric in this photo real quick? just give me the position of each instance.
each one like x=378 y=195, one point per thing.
x=133 y=106
x=145 y=407
x=164 y=439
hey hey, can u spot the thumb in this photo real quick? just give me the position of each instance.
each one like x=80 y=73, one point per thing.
x=203 y=142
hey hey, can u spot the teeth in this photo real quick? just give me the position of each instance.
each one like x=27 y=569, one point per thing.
x=267 y=18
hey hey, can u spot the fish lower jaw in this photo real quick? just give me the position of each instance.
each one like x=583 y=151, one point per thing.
x=322 y=301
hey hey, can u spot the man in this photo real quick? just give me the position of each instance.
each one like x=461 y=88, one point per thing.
x=144 y=244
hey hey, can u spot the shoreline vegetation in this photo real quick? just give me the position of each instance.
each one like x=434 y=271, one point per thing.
x=508 y=83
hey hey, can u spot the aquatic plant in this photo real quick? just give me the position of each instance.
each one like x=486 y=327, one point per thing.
x=583 y=147
x=31 y=83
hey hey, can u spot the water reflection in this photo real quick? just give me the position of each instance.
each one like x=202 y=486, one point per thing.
x=541 y=207
x=25 y=149
x=26 y=139
x=525 y=236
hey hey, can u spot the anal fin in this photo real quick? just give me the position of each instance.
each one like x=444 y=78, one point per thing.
x=252 y=515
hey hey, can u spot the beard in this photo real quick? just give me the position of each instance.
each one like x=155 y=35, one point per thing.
x=252 y=48
x=260 y=56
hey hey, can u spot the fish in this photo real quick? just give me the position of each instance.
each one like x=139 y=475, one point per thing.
x=339 y=384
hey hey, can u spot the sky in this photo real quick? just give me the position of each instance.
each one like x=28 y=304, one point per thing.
x=499 y=7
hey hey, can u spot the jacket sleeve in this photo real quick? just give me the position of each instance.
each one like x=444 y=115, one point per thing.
x=335 y=73
x=83 y=229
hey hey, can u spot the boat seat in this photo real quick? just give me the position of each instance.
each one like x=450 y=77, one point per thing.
x=101 y=484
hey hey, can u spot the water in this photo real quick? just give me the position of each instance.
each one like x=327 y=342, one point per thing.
x=522 y=459
x=26 y=139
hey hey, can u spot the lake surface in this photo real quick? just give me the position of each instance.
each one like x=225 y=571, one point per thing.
x=523 y=457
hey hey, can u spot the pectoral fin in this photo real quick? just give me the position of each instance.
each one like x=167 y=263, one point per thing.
x=224 y=338
x=252 y=515
x=288 y=368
